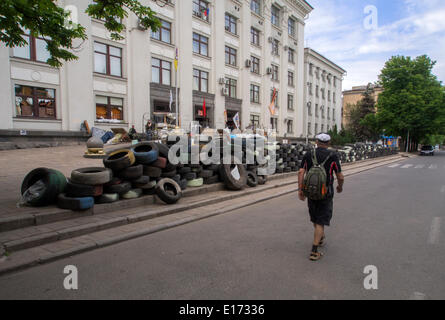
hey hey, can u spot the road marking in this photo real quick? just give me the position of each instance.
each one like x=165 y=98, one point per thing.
x=419 y=166
x=394 y=165
x=406 y=166
x=433 y=166
x=433 y=237
x=418 y=296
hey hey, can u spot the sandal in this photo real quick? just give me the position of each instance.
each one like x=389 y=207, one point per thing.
x=315 y=256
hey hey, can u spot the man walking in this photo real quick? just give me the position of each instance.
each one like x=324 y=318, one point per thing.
x=316 y=182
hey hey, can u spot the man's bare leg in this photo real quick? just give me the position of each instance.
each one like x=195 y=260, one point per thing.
x=318 y=234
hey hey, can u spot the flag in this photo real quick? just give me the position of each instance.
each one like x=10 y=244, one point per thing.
x=171 y=101
x=204 y=109
x=176 y=59
x=236 y=120
x=272 y=104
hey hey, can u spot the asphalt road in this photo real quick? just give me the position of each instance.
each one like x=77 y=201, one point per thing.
x=389 y=217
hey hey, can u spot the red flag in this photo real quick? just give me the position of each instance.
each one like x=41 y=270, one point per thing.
x=204 y=109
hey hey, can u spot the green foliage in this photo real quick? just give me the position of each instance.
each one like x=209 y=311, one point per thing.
x=341 y=138
x=43 y=18
x=413 y=99
x=433 y=140
x=361 y=120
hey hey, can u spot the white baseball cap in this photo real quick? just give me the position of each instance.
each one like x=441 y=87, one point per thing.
x=323 y=137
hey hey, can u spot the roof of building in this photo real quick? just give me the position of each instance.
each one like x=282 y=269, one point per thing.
x=323 y=58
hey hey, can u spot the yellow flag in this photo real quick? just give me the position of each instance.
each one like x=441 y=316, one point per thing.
x=176 y=64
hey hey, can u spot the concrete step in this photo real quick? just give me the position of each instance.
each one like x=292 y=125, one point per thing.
x=29 y=237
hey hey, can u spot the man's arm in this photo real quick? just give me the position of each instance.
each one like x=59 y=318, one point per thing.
x=300 y=184
x=341 y=181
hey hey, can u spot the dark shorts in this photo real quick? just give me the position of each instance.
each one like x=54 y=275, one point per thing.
x=321 y=211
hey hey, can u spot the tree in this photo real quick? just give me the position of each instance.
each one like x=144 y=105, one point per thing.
x=413 y=101
x=43 y=18
x=364 y=129
x=341 y=138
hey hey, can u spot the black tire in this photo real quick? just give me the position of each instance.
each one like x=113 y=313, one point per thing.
x=142 y=180
x=262 y=180
x=122 y=188
x=190 y=176
x=169 y=174
x=231 y=182
x=107 y=198
x=113 y=182
x=145 y=152
x=211 y=180
x=149 y=192
x=163 y=149
x=252 y=179
x=75 y=204
x=287 y=169
x=168 y=191
x=119 y=160
x=131 y=173
x=170 y=167
x=184 y=170
x=91 y=176
x=55 y=183
x=152 y=172
x=213 y=167
x=183 y=184
x=205 y=174
x=76 y=190
x=177 y=178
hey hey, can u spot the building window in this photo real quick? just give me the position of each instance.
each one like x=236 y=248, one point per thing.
x=317 y=89
x=34 y=50
x=35 y=102
x=254 y=36
x=291 y=27
x=309 y=85
x=290 y=126
x=274 y=123
x=291 y=55
x=316 y=128
x=290 y=78
x=329 y=113
x=161 y=71
x=317 y=72
x=322 y=111
x=322 y=128
x=316 y=110
x=201 y=9
x=254 y=93
x=275 y=74
x=231 y=87
x=230 y=23
x=290 y=102
x=164 y=32
x=333 y=114
x=255 y=6
x=200 y=80
x=109 y=108
x=275 y=47
x=309 y=109
x=107 y=59
x=255 y=120
x=230 y=56
x=329 y=95
x=311 y=69
x=334 y=98
x=276 y=97
x=309 y=128
x=335 y=81
x=275 y=16
x=323 y=95
x=200 y=44
x=255 y=67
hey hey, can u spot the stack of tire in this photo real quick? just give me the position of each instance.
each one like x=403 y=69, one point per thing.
x=288 y=158
x=84 y=188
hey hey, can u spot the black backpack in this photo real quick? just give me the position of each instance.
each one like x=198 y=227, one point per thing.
x=314 y=186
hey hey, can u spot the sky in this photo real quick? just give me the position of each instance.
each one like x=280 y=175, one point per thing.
x=341 y=31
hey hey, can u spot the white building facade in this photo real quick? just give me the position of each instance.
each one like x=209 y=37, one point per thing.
x=232 y=54
x=323 y=94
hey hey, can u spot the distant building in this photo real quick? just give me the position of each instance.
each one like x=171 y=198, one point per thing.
x=323 y=103
x=352 y=97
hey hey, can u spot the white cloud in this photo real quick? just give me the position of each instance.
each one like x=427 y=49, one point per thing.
x=335 y=30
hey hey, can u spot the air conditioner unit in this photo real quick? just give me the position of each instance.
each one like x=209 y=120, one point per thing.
x=222 y=80
x=269 y=70
x=248 y=63
x=286 y=48
x=270 y=39
x=225 y=91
